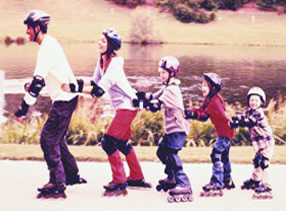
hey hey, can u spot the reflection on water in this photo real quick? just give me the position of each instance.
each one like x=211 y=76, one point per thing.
x=240 y=67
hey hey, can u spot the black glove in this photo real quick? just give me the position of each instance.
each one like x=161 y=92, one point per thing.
x=137 y=102
x=80 y=83
x=189 y=114
x=23 y=109
x=250 y=121
x=234 y=122
x=154 y=105
x=141 y=95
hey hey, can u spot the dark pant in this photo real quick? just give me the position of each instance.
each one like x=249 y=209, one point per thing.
x=221 y=162
x=61 y=163
x=167 y=152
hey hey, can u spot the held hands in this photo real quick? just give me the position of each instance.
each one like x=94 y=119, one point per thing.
x=241 y=121
x=71 y=87
x=141 y=101
x=78 y=88
x=144 y=100
x=190 y=114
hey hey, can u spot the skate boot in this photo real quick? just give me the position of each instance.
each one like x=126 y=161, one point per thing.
x=180 y=194
x=115 y=189
x=263 y=191
x=228 y=185
x=51 y=190
x=166 y=184
x=211 y=190
x=139 y=183
x=250 y=184
x=76 y=180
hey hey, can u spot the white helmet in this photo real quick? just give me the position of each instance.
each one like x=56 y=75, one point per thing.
x=171 y=64
x=257 y=91
x=37 y=17
x=214 y=80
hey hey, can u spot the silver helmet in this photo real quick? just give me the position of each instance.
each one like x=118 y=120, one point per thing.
x=37 y=17
x=214 y=81
x=257 y=91
x=171 y=64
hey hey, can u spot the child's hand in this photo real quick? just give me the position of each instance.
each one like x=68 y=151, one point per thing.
x=27 y=86
x=65 y=87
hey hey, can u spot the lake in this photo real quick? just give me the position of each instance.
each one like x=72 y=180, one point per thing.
x=240 y=67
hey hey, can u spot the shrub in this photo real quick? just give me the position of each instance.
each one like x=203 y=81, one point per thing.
x=187 y=11
x=90 y=121
x=129 y=3
x=230 y=4
x=142 y=30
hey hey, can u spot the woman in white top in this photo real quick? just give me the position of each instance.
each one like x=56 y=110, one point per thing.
x=109 y=76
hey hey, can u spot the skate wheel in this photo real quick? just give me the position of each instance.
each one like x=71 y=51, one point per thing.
x=190 y=198
x=170 y=199
x=203 y=194
x=159 y=188
x=185 y=198
x=165 y=189
x=177 y=199
x=106 y=193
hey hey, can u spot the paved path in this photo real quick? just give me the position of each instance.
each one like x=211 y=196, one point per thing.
x=19 y=181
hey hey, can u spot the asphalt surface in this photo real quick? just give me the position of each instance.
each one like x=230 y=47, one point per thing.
x=19 y=181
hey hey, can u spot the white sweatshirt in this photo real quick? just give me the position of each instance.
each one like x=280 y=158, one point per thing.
x=53 y=66
x=114 y=81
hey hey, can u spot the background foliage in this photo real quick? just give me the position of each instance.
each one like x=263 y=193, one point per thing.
x=92 y=118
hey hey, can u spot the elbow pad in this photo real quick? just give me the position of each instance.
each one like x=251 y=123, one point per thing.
x=36 y=86
x=96 y=91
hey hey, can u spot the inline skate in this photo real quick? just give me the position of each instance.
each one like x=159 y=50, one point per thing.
x=138 y=183
x=211 y=190
x=51 y=190
x=166 y=184
x=263 y=191
x=76 y=180
x=229 y=185
x=115 y=189
x=250 y=184
x=180 y=194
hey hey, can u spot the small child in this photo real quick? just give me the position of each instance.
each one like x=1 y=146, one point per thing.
x=170 y=99
x=262 y=141
x=213 y=107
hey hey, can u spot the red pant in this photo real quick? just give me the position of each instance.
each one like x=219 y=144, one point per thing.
x=120 y=129
x=120 y=126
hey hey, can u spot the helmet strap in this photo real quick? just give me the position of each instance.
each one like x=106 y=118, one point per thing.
x=35 y=33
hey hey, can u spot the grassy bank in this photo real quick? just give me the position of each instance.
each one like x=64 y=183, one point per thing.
x=83 y=20
x=95 y=153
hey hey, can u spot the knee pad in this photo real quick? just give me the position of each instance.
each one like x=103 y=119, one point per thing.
x=124 y=147
x=215 y=156
x=109 y=144
x=264 y=163
x=162 y=153
x=257 y=161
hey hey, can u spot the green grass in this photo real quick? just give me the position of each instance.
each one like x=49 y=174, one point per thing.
x=95 y=153
x=82 y=23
